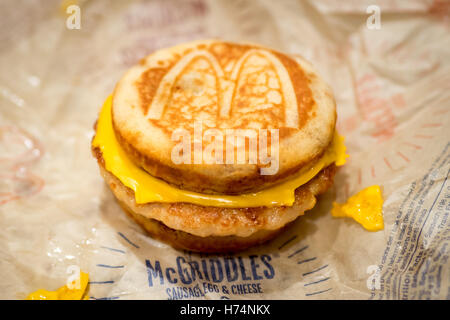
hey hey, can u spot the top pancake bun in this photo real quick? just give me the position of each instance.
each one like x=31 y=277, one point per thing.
x=225 y=86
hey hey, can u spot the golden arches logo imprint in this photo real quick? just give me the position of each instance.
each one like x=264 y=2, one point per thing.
x=227 y=85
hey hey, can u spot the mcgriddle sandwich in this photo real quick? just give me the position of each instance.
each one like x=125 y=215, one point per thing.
x=214 y=146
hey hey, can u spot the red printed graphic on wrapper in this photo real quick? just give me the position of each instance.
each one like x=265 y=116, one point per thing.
x=19 y=151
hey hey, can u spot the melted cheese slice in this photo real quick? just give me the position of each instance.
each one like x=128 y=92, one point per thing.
x=150 y=189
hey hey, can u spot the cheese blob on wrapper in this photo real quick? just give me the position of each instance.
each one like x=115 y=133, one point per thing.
x=64 y=293
x=365 y=207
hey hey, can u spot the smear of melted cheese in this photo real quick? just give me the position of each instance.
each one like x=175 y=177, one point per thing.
x=150 y=189
x=365 y=207
x=64 y=293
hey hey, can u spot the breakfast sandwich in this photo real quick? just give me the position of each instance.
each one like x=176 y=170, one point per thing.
x=214 y=146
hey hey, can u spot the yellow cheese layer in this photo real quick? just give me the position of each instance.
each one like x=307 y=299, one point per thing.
x=150 y=189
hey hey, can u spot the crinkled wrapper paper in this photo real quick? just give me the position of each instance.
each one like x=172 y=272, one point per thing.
x=391 y=86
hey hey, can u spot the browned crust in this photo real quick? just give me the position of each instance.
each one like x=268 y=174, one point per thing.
x=186 y=241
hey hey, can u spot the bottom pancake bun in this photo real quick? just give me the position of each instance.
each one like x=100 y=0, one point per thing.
x=213 y=229
x=186 y=241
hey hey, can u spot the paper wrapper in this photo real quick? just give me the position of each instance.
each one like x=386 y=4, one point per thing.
x=392 y=91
